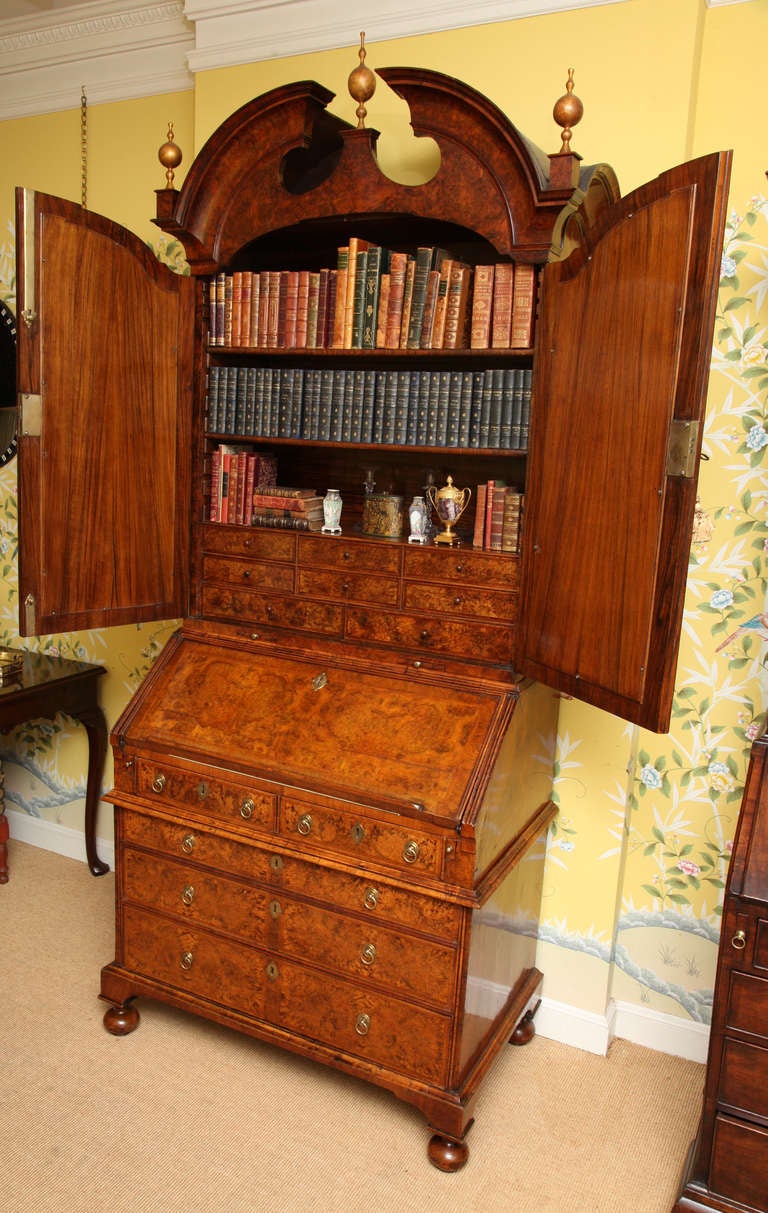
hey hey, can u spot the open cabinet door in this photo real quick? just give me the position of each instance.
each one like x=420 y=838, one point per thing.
x=623 y=352
x=105 y=388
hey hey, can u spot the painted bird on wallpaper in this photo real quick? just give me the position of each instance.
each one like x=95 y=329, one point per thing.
x=756 y=626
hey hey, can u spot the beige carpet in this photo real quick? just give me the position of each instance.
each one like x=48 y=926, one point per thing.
x=186 y=1117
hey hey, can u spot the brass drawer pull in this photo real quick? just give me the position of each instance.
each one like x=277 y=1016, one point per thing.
x=272 y=970
x=411 y=852
x=159 y=782
x=458 y=600
x=368 y=954
x=739 y=941
x=188 y=895
x=275 y=909
x=357 y=832
x=371 y=899
x=186 y=961
x=304 y=824
x=362 y=1024
x=247 y=807
x=188 y=844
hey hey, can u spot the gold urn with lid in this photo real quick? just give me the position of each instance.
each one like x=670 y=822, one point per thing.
x=449 y=503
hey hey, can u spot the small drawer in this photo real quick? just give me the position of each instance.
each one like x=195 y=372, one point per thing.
x=760 y=959
x=361 y=837
x=744 y=1078
x=253 y=541
x=256 y=574
x=348 y=586
x=430 y=634
x=193 y=843
x=196 y=792
x=739 y=1162
x=338 y=552
x=459 y=599
x=303 y=613
x=747 y=1004
x=459 y=566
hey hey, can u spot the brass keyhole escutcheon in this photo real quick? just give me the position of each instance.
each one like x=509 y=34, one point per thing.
x=411 y=852
x=739 y=941
x=363 y=1024
x=186 y=961
x=357 y=832
x=368 y=954
x=371 y=899
x=202 y=789
x=272 y=970
x=188 y=895
x=188 y=844
x=247 y=807
x=159 y=782
x=275 y=909
x=304 y=824
x=277 y=863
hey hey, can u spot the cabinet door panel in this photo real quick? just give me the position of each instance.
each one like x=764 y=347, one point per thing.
x=104 y=461
x=623 y=348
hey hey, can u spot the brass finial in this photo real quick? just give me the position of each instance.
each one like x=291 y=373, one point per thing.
x=362 y=84
x=568 y=112
x=169 y=156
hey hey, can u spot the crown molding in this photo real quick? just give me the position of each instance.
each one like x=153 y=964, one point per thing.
x=116 y=49
x=229 y=32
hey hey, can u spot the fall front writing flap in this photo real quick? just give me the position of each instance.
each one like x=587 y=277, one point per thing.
x=623 y=351
x=104 y=380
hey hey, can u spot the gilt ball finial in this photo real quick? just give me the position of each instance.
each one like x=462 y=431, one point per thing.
x=568 y=112
x=169 y=156
x=361 y=84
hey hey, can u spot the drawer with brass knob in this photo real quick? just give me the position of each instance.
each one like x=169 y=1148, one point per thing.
x=324 y=827
x=205 y=795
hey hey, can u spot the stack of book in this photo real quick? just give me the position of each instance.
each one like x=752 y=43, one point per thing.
x=376 y=298
x=236 y=473
x=498 y=515
x=288 y=509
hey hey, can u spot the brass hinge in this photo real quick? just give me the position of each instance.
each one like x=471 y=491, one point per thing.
x=30 y=615
x=683 y=445
x=29 y=313
x=30 y=414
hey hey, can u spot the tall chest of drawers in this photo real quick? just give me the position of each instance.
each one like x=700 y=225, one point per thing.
x=728 y=1165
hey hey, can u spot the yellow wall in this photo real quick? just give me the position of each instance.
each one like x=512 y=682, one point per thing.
x=636 y=861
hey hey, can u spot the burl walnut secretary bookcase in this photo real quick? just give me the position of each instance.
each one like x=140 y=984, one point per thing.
x=333 y=789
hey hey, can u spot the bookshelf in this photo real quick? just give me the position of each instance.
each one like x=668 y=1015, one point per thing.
x=352 y=736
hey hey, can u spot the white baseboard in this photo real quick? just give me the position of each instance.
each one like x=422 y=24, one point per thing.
x=570 y=1025
x=626 y=1021
x=50 y=836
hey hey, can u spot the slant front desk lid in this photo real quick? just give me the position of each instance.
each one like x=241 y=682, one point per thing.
x=406 y=742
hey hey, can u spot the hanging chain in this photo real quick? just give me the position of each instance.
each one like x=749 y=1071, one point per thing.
x=83 y=148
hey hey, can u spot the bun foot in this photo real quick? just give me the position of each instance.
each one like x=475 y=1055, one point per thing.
x=446 y=1154
x=525 y=1030
x=121 y=1020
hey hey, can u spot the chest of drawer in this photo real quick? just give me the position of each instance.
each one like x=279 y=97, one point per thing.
x=361 y=838
x=429 y=634
x=304 y=613
x=360 y=1021
x=256 y=574
x=206 y=797
x=373 y=897
x=347 y=585
x=251 y=542
x=331 y=552
x=364 y=950
x=461 y=600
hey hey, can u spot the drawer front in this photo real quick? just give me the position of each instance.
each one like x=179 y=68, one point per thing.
x=343 y=585
x=748 y=1004
x=372 y=897
x=739 y=1163
x=761 y=944
x=253 y=541
x=744 y=1077
x=430 y=634
x=240 y=804
x=459 y=566
x=273 y=608
x=360 y=838
x=362 y=950
x=337 y=1013
x=327 y=551
x=257 y=574
x=461 y=600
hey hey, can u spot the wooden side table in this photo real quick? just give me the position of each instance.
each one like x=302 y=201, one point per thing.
x=47 y=686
